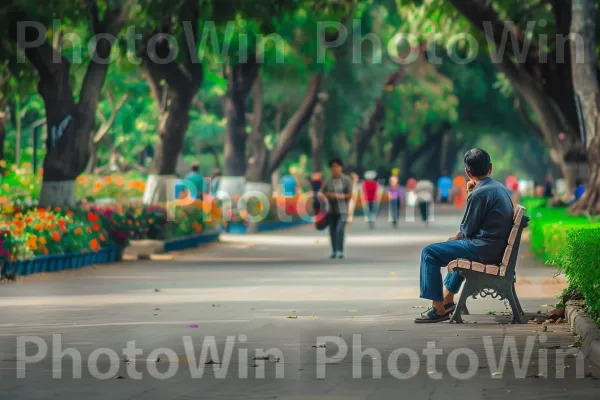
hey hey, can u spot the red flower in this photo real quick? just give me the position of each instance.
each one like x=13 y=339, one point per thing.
x=93 y=217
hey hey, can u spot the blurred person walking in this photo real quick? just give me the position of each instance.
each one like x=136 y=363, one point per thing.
x=444 y=186
x=459 y=191
x=338 y=191
x=424 y=191
x=370 y=196
x=396 y=195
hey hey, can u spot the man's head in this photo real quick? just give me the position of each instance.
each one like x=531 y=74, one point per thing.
x=478 y=165
x=337 y=167
x=196 y=167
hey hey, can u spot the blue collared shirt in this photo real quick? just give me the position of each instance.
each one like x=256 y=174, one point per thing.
x=488 y=220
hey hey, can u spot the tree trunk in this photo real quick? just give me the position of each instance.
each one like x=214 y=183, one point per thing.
x=240 y=81
x=265 y=163
x=539 y=75
x=173 y=87
x=258 y=168
x=363 y=135
x=69 y=123
x=93 y=163
x=316 y=131
x=398 y=145
x=18 y=131
x=585 y=80
x=171 y=134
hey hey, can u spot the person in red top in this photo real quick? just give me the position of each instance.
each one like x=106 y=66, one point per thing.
x=370 y=197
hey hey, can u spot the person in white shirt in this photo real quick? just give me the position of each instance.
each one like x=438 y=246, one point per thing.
x=424 y=191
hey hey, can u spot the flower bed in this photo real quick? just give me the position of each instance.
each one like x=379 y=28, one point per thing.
x=45 y=240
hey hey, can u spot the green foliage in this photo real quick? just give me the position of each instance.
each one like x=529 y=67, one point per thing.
x=579 y=259
x=549 y=228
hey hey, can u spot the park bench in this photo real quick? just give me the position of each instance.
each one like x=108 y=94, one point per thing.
x=497 y=281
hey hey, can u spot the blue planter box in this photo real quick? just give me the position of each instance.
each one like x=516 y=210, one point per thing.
x=239 y=229
x=58 y=262
x=188 y=242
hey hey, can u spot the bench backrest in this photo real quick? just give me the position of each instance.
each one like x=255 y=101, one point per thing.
x=511 y=253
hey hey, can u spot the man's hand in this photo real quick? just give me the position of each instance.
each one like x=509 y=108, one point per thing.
x=470 y=186
x=452 y=238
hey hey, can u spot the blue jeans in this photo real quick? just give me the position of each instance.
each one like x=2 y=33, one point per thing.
x=436 y=256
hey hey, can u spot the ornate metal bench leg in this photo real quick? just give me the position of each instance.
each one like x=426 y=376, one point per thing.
x=461 y=306
x=517 y=317
x=519 y=307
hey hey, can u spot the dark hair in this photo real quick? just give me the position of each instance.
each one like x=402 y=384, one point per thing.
x=578 y=182
x=477 y=162
x=336 y=160
x=195 y=167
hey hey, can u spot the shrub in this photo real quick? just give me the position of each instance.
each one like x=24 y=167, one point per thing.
x=579 y=259
x=549 y=227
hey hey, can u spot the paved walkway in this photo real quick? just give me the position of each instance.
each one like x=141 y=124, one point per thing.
x=279 y=291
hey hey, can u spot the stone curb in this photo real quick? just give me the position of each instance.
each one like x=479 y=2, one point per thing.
x=155 y=249
x=585 y=327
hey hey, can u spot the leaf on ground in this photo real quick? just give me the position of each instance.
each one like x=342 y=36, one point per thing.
x=316 y=346
x=292 y=317
x=156 y=290
x=497 y=374
x=262 y=358
x=211 y=362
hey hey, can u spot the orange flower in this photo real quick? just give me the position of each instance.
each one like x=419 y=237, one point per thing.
x=28 y=220
x=94 y=245
x=197 y=227
x=51 y=217
x=62 y=223
x=102 y=238
x=57 y=209
x=51 y=227
x=69 y=213
x=78 y=231
x=42 y=240
x=96 y=227
x=56 y=236
x=98 y=186
x=206 y=207
x=46 y=251
x=88 y=229
x=42 y=211
x=119 y=181
x=108 y=179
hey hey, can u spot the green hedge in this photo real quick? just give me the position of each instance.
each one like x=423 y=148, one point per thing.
x=570 y=243
x=549 y=227
x=579 y=259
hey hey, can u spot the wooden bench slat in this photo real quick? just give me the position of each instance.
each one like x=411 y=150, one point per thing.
x=507 y=253
x=513 y=235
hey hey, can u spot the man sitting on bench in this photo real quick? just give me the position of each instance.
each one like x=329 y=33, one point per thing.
x=483 y=234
